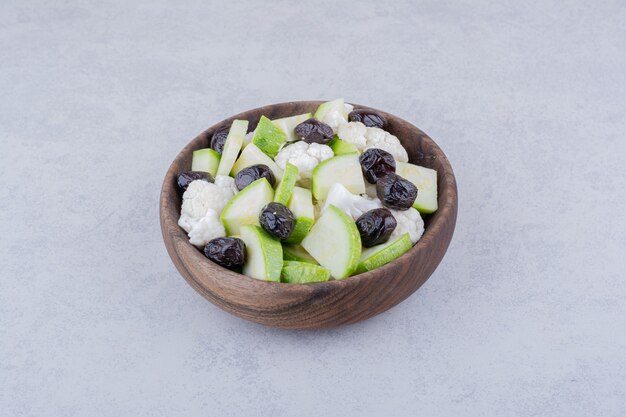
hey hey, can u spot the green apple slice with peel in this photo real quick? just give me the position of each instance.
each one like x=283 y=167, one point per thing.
x=268 y=137
x=232 y=146
x=343 y=169
x=286 y=185
x=288 y=124
x=245 y=206
x=334 y=242
x=251 y=155
x=264 y=255
x=206 y=160
x=425 y=179
x=295 y=272
x=300 y=230
x=301 y=205
x=297 y=253
x=379 y=255
x=341 y=147
x=331 y=106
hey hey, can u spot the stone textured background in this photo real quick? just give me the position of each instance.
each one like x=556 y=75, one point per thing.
x=525 y=316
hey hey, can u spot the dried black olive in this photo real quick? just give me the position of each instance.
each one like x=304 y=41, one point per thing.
x=376 y=163
x=277 y=220
x=219 y=138
x=314 y=131
x=252 y=173
x=185 y=178
x=229 y=252
x=369 y=118
x=396 y=192
x=375 y=226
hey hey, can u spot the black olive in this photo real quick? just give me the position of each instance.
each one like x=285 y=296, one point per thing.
x=185 y=178
x=229 y=252
x=252 y=173
x=314 y=131
x=376 y=163
x=375 y=226
x=277 y=220
x=369 y=118
x=396 y=192
x=219 y=138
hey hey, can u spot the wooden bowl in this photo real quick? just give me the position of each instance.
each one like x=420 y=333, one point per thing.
x=326 y=304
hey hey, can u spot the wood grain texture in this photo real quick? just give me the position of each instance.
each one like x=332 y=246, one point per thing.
x=327 y=304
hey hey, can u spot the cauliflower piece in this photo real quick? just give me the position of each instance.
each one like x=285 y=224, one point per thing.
x=186 y=222
x=378 y=138
x=364 y=138
x=336 y=119
x=227 y=184
x=305 y=156
x=201 y=196
x=353 y=205
x=354 y=133
x=408 y=221
x=349 y=107
x=320 y=152
x=207 y=228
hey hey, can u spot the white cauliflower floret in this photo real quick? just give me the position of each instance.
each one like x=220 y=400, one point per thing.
x=378 y=138
x=353 y=205
x=186 y=222
x=408 y=221
x=201 y=196
x=320 y=152
x=354 y=133
x=349 y=107
x=363 y=138
x=207 y=228
x=336 y=118
x=227 y=184
x=305 y=156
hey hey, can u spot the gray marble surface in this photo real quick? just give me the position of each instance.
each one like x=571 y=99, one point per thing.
x=526 y=315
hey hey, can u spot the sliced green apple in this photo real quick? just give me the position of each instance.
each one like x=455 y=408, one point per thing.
x=425 y=179
x=206 y=160
x=300 y=230
x=264 y=255
x=379 y=255
x=232 y=146
x=288 y=124
x=301 y=205
x=245 y=206
x=343 y=169
x=341 y=147
x=295 y=272
x=268 y=137
x=251 y=155
x=334 y=242
x=297 y=253
x=286 y=185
